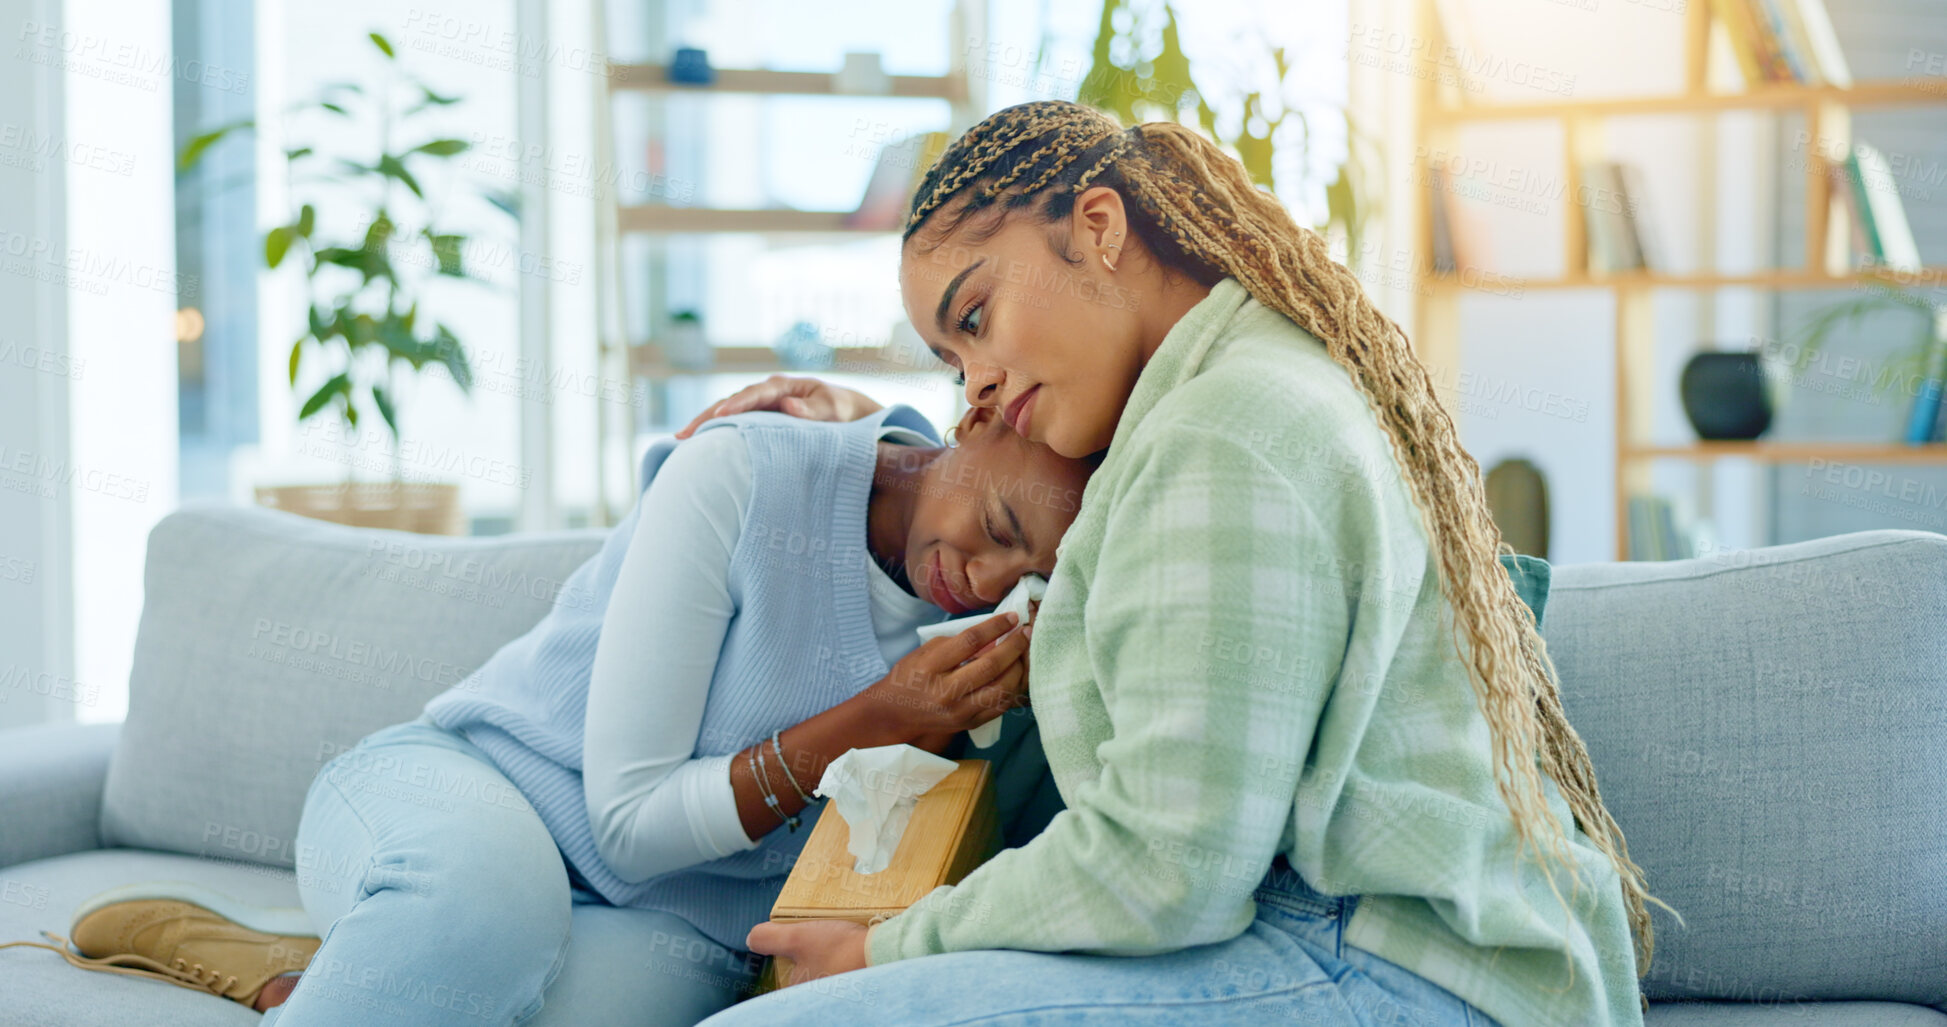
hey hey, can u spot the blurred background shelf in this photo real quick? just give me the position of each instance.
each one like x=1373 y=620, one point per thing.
x=654 y=78
x=705 y=220
x=646 y=360
x=655 y=261
x=1783 y=278
x=1793 y=452
x=1823 y=114
x=1920 y=91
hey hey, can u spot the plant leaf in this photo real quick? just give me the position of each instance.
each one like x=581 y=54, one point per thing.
x=379 y=233
x=277 y=242
x=334 y=108
x=384 y=403
x=372 y=264
x=431 y=99
x=297 y=351
x=194 y=149
x=302 y=151
x=307 y=219
x=441 y=147
x=393 y=167
x=384 y=45
x=448 y=352
x=506 y=200
x=447 y=250
x=339 y=383
x=395 y=334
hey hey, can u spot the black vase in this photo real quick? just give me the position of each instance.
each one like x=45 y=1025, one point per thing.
x=1726 y=395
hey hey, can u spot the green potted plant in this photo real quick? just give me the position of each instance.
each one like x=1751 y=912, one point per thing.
x=685 y=346
x=1919 y=360
x=364 y=324
x=1139 y=72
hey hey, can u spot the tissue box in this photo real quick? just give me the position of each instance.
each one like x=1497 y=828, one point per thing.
x=954 y=829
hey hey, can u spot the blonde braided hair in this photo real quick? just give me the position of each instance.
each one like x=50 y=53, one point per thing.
x=1195 y=208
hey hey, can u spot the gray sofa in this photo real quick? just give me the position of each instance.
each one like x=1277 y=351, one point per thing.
x=1767 y=726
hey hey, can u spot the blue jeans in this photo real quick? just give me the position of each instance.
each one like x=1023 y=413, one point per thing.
x=441 y=898
x=1291 y=966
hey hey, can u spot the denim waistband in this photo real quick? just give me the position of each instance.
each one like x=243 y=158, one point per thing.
x=1284 y=888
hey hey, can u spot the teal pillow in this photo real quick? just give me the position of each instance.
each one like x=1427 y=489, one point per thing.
x=1530 y=574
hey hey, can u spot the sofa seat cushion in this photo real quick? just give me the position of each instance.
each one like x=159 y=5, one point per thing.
x=1769 y=727
x=43 y=989
x=1773 y=1014
x=269 y=643
x=616 y=957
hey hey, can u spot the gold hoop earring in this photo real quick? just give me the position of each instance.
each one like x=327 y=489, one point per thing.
x=1105 y=257
x=953 y=436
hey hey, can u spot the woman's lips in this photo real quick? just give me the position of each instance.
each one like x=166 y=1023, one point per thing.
x=1017 y=412
x=939 y=593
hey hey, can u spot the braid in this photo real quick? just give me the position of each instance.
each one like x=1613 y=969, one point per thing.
x=1195 y=208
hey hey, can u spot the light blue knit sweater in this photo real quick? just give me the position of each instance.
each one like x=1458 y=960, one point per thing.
x=801 y=642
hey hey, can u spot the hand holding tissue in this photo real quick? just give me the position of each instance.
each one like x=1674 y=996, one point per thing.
x=875 y=790
x=1027 y=591
x=952 y=828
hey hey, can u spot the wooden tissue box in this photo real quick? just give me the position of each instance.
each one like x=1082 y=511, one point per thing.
x=954 y=829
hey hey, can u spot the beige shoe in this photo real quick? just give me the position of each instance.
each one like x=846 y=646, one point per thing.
x=188 y=936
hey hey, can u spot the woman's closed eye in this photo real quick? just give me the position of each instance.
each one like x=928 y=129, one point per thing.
x=993 y=532
x=969 y=323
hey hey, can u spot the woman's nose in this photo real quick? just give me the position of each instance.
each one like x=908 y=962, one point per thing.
x=993 y=575
x=983 y=385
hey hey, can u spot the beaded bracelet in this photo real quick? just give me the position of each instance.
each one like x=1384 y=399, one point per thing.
x=770 y=797
x=778 y=747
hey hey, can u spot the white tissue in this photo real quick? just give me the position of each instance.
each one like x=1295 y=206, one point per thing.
x=1028 y=590
x=875 y=790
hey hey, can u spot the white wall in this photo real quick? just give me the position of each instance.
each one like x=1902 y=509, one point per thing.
x=121 y=323
x=36 y=599
x=90 y=431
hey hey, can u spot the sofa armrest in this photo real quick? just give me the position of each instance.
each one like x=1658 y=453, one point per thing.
x=51 y=779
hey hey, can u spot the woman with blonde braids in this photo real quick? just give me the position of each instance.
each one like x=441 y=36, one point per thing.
x=1309 y=738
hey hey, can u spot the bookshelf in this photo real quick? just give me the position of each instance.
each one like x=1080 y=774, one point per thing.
x=643 y=360
x=1827 y=112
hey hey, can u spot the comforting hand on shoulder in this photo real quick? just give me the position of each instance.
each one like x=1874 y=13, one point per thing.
x=808 y=398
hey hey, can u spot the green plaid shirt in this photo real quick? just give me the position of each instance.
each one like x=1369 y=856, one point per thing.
x=1243 y=652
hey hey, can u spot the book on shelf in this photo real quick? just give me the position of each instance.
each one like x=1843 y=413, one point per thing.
x=1816 y=25
x=1735 y=18
x=1613 y=214
x=896 y=175
x=1457 y=64
x=1654 y=530
x=1783 y=41
x=1782 y=32
x=1927 y=419
x=1442 y=220
x=1881 y=214
x=1459 y=238
x=1635 y=196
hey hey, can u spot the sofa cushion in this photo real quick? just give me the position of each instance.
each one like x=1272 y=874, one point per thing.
x=44 y=989
x=1531 y=576
x=1774 y=1014
x=1769 y=727
x=270 y=643
x=617 y=959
